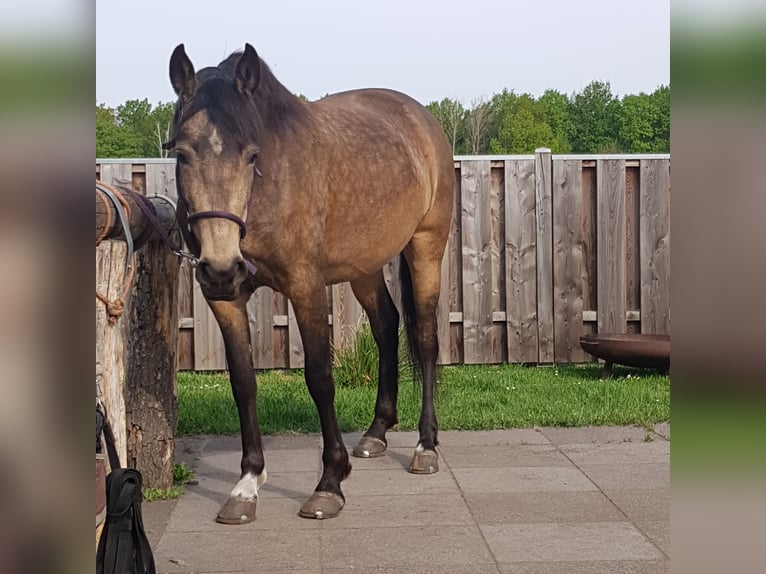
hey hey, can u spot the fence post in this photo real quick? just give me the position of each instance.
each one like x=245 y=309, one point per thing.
x=544 y=215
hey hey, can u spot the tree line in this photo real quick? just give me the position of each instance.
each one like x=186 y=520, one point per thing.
x=593 y=120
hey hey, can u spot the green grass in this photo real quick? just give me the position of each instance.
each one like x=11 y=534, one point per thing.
x=181 y=477
x=469 y=397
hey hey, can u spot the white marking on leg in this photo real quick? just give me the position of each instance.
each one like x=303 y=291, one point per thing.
x=247 y=487
x=419 y=448
x=216 y=143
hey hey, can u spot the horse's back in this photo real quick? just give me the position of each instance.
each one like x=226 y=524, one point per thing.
x=389 y=169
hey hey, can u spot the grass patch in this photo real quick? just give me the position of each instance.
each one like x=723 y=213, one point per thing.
x=469 y=398
x=181 y=477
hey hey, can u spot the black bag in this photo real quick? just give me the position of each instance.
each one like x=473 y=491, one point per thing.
x=123 y=547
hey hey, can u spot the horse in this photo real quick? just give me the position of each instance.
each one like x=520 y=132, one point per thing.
x=294 y=195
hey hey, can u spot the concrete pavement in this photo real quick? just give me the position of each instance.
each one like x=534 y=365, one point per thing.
x=549 y=500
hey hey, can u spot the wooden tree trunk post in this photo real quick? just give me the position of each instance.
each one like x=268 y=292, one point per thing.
x=151 y=388
x=144 y=355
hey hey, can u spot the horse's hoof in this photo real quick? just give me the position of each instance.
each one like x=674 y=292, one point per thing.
x=237 y=510
x=322 y=505
x=424 y=462
x=369 y=447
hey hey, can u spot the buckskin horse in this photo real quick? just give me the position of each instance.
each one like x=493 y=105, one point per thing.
x=294 y=195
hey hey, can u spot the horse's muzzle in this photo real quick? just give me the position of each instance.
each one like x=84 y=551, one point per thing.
x=221 y=284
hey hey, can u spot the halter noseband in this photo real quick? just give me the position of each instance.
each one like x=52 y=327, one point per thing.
x=191 y=240
x=192 y=217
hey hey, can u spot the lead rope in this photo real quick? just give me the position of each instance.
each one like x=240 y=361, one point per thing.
x=115 y=308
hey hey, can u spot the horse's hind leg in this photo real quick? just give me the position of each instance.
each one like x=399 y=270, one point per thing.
x=372 y=293
x=232 y=318
x=420 y=296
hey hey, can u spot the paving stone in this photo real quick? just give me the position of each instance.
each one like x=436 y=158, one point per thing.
x=157 y=515
x=394 y=439
x=283 y=460
x=658 y=531
x=598 y=567
x=526 y=479
x=662 y=430
x=492 y=438
x=643 y=505
x=280 y=484
x=582 y=435
x=436 y=547
x=396 y=482
x=419 y=569
x=402 y=510
x=502 y=456
x=196 y=512
x=239 y=550
x=393 y=459
x=535 y=507
x=538 y=512
x=568 y=542
x=618 y=453
x=621 y=477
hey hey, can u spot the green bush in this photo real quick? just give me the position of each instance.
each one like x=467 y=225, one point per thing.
x=356 y=364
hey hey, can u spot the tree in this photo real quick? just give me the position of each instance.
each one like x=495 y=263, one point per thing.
x=477 y=126
x=111 y=140
x=636 y=130
x=522 y=127
x=134 y=129
x=661 y=122
x=451 y=115
x=594 y=113
x=556 y=112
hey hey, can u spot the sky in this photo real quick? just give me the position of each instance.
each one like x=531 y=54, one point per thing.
x=427 y=49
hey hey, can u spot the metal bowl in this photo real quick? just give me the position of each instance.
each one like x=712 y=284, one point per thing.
x=633 y=350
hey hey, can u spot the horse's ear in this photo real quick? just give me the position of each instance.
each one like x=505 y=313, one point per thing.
x=182 y=74
x=248 y=72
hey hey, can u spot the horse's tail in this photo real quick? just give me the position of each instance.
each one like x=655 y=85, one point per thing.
x=410 y=319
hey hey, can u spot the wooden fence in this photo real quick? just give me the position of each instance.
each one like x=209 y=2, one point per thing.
x=543 y=249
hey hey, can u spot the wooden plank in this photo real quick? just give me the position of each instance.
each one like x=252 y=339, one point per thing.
x=186 y=314
x=655 y=246
x=281 y=341
x=442 y=314
x=209 y=351
x=567 y=261
x=455 y=257
x=295 y=357
x=591 y=316
x=590 y=252
x=632 y=254
x=346 y=315
x=611 y=237
x=260 y=313
x=477 y=262
x=111 y=343
x=544 y=213
x=521 y=258
x=161 y=180
x=117 y=174
x=498 y=338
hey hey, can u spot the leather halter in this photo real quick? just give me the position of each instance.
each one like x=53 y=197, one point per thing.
x=192 y=217
x=191 y=239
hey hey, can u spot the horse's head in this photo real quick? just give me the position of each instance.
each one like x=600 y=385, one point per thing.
x=214 y=138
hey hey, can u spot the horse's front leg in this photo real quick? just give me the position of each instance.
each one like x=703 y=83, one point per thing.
x=232 y=318
x=310 y=307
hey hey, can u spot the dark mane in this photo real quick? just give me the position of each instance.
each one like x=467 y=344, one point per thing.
x=271 y=108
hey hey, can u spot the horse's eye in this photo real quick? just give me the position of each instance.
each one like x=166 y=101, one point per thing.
x=180 y=158
x=251 y=161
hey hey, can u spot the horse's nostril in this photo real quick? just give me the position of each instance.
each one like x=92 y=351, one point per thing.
x=208 y=273
x=241 y=268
